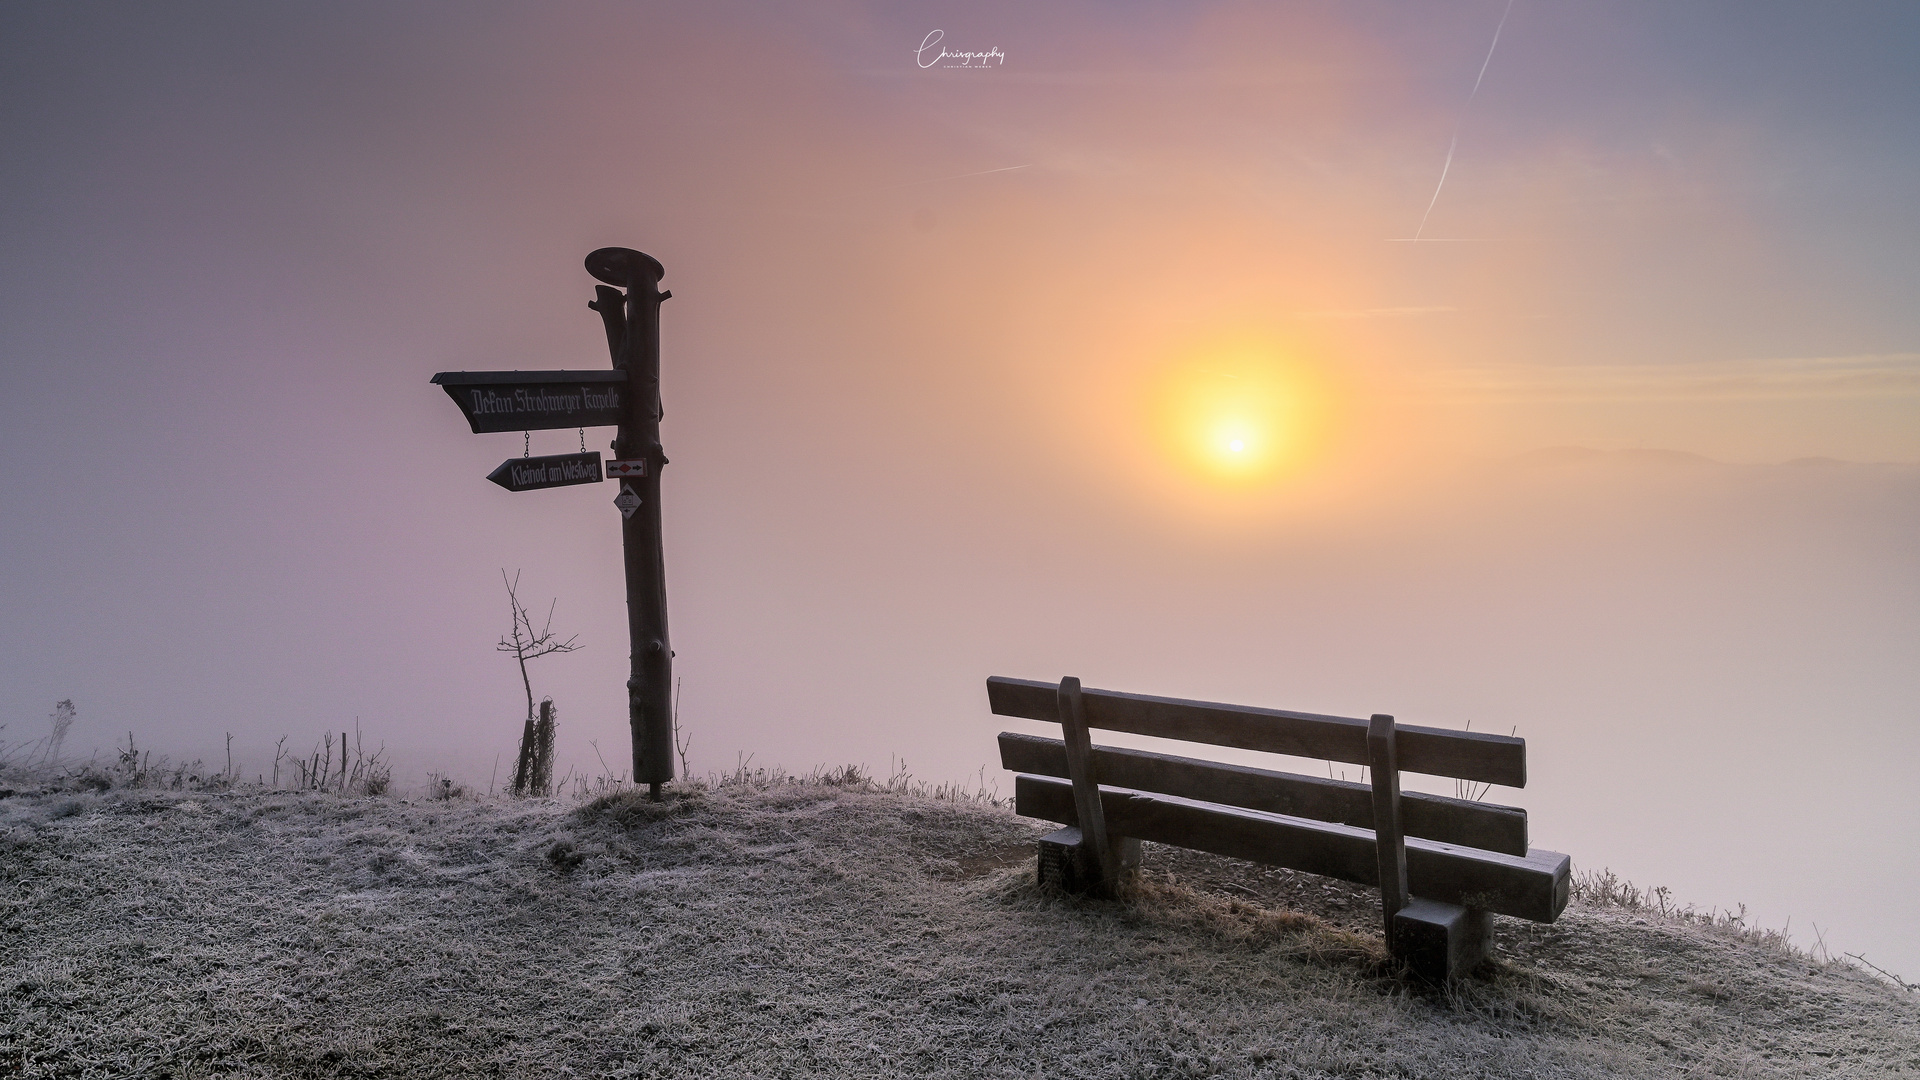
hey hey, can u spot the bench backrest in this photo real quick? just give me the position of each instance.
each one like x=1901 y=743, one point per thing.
x=1465 y=851
x=1468 y=755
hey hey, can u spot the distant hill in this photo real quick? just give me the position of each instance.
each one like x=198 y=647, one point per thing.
x=1582 y=455
x=1571 y=455
x=771 y=928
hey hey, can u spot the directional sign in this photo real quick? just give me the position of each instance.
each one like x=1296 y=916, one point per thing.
x=536 y=400
x=627 y=501
x=558 y=470
x=626 y=396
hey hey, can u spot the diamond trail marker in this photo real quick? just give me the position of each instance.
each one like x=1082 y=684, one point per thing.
x=627 y=501
x=559 y=470
x=627 y=396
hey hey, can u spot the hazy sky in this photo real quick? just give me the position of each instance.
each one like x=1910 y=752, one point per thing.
x=952 y=369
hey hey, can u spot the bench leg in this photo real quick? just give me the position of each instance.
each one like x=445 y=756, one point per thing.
x=1064 y=861
x=1441 y=942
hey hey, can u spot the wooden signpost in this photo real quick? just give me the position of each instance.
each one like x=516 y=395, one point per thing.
x=628 y=396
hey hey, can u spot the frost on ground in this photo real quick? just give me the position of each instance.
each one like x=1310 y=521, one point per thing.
x=810 y=929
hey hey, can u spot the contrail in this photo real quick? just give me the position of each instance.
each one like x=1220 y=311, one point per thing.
x=1463 y=119
x=962 y=176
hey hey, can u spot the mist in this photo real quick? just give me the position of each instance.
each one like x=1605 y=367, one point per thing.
x=1625 y=465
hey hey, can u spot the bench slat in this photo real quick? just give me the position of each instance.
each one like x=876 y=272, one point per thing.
x=1468 y=755
x=1534 y=887
x=1435 y=817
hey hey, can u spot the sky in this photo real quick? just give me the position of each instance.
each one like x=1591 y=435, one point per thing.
x=1609 y=436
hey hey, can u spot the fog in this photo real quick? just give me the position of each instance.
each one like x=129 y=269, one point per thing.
x=1623 y=461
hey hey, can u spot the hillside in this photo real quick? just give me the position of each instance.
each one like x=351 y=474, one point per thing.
x=810 y=929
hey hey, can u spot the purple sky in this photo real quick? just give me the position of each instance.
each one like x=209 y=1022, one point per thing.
x=924 y=367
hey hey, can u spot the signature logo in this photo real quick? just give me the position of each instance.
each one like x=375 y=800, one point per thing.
x=926 y=57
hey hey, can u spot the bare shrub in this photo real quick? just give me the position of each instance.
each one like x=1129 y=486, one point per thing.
x=856 y=777
x=1604 y=888
x=134 y=767
x=63 y=716
x=533 y=772
x=443 y=788
x=349 y=770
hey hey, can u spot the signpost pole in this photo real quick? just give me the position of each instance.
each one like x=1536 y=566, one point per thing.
x=633 y=336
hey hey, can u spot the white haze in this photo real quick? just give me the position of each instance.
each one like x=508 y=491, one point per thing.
x=236 y=242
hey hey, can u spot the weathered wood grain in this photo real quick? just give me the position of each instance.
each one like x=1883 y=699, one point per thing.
x=1301 y=734
x=1534 y=887
x=1434 y=817
x=1086 y=786
x=1493 y=759
x=1440 y=942
x=1390 y=849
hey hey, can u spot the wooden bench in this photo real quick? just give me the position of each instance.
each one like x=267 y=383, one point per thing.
x=1444 y=866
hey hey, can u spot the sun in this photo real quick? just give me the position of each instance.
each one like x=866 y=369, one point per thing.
x=1236 y=415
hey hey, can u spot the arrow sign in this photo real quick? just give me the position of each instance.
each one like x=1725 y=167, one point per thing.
x=618 y=468
x=537 y=400
x=558 y=470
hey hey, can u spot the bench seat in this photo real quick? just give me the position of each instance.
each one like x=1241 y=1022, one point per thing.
x=1534 y=886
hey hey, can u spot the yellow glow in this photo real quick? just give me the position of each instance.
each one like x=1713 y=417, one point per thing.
x=1241 y=414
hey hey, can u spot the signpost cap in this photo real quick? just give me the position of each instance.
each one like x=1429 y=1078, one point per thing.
x=624 y=267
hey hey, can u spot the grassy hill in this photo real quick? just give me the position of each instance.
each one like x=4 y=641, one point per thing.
x=765 y=927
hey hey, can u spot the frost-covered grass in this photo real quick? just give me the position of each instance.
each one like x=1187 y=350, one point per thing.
x=822 y=926
x=344 y=767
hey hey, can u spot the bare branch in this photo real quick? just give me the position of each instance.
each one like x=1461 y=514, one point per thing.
x=523 y=642
x=1897 y=980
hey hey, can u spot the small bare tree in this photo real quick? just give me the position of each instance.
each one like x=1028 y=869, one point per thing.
x=62 y=718
x=680 y=745
x=535 y=765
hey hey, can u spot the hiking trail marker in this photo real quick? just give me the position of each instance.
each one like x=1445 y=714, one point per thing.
x=627 y=501
x=626 y=397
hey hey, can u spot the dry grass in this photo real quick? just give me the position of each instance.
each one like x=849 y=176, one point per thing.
x=344 y=767
x=816 y=926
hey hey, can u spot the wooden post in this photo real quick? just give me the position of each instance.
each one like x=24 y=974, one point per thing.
x=523 y=765
x=1100 y=854
x=1389 y=841
x=633 y=321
